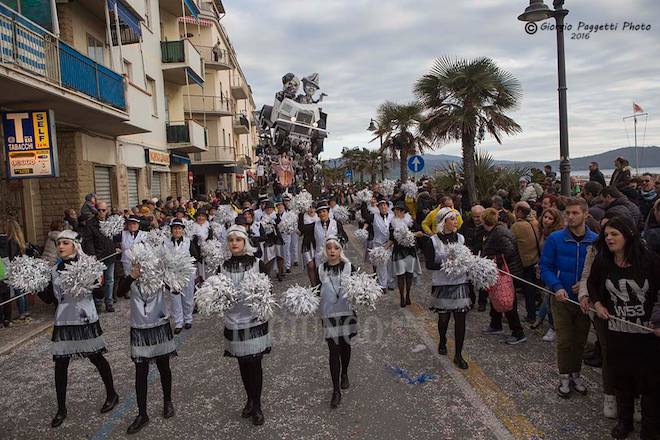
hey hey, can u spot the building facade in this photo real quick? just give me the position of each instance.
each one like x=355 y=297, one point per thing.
x=118 y=77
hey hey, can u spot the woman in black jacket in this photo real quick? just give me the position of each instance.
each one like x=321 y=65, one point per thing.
x=500 y=244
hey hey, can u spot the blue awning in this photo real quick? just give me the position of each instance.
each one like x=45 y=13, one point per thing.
x=179 y=159
x=192 y=76
x=192 y=7
x=126 y=15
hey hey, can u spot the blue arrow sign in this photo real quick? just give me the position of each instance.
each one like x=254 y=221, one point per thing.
x=416 y=163
x=349 y=173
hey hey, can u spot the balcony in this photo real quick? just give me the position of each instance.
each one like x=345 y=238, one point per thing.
x=215 y=59
x=174 y=7
x=239 y=89
x=36 y=68
x=182 y=64
x=241 y=124
x=209 y=105
x=186 y=137
x=216 y=154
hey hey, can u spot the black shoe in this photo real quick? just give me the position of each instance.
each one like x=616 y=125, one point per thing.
x=140 y=422
x=295 y=264
x=288 y=271
x=336 y=399
x=408 y=300
x=247 y=410
x=279 y=277
x=442 y=349
x=187 y=326
x=593 y=362
x=344 y=382
x=58 y=419
x=168 y=410
x=109 y=308
x=621 y=430
x=110 y=403
x=195 y=310
x=460 y=362
x=481 y=308
x=177 y=330
x=257 y=417
x=403 y=301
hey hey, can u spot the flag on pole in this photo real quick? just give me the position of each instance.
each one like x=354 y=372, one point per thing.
x=637 y=108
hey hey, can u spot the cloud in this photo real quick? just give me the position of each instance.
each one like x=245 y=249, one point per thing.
x=368 y=51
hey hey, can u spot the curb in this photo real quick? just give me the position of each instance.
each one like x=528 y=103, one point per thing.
x=8 y=348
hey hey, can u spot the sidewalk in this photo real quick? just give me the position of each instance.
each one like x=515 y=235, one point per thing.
x=41 y=320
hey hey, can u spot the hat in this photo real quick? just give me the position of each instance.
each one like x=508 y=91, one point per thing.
x=312 y=79
x=322 y=204
x=525 y=178
x=133 y=218
x=241 y=231
x=268 y=204
x=246 y=210
x=263 y=198
x=201 y=211
x=278 y=201
x=177 y=222
x=400 y=205
x=442 y=215
x=381 y=200
x=89 y=197
x=144 y=210
x=68 y=234
x=286 y=197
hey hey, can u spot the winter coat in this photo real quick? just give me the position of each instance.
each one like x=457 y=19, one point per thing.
x=473 y=235
x=528 y=194
x=50 y=247
x=597 y=176
x=562 y=260
x=527 y=233
x=627 y=209
x=500 y=242
x=621 y=177
x=95 y=243
x=652 y=235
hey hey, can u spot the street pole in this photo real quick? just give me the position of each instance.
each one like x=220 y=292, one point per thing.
x=564 y=162
x=382 y=159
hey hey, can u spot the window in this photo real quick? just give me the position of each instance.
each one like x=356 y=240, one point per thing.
x=151 y=88
x=95 y=49
x=128 y=69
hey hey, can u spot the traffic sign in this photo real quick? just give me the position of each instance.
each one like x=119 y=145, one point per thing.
x=416 y=163
x=349 y=173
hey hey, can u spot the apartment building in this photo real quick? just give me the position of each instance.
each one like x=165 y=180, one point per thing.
x=116 y=78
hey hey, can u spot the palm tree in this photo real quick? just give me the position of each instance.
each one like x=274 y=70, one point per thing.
x=399 y=125
x=374 y=162
x=356 y=160
x=464 y=100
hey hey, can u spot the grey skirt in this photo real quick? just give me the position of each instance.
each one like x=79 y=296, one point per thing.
x=250 y=341
x=149 y=344
x=77 y=341
x=341 y=326
x=409 y=264
x=450 y=298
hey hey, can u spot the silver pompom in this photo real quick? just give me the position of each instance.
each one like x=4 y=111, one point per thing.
x=409 y=189
x=404 y=237
x=268 y=223
x=82 y=276
x=483 y=273
x=216 y=295
x=157 y=237
x=188 y=231
x=364 y=195
x=361 y=290
x=301 y=300
x=28 y=274
x=457 y=260
x=358 y=216
x=387 y=186
x=178 y=267
x=301 y=202
x=259 y=295
x=362 y=235
x=341 y=214
x=114 y=225
x=225 y=215
x=218 y=229
x=214 y=253
x=379 y=255
x=288 y=223
x=151 y=274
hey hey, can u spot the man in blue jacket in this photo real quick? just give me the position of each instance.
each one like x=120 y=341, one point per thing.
x=562 y=261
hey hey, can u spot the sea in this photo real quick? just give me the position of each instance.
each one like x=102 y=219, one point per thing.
x=608 y=172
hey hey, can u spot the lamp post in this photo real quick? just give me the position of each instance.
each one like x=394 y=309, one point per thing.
x=373 y=126
x=538 y=11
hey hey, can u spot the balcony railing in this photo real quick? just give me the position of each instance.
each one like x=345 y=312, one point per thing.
x=25 y=45
x=217 y=153
x=172 y=51
x=208 y=104
x=241 y=119
x=187 y=136
x=214 y=55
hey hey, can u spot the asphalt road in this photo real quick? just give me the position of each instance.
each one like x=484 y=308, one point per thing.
x=400 y=386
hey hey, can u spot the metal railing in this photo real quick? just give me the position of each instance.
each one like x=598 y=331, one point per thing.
x=213 y=54
x=208 y=104
x=177 y=132
x=172 y=51
x=25 y=45
x=219 y=153
x=241 y=119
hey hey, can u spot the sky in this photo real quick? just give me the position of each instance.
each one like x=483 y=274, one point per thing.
x=368 y=52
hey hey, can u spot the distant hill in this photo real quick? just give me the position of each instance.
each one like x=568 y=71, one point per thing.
x=649 y=157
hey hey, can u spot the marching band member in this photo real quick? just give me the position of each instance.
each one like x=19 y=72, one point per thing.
x=381 y=228
x=272 y=240
x=405 y=262
x=132 y=235
x=291 y=241
x=182 y=302
x=306 y=221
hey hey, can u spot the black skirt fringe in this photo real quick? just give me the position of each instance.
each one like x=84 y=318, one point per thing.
x=142 y=337
x=76 y=332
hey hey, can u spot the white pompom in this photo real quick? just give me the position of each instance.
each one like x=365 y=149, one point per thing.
x=341 y=214
x=288 y=223
x=301 y=300
x=178 y=268
x=225 y=214
x=362 y=235
x=404 y=237
x=82 y=276
x=214 y=253
x=218 y=230
x=379 y=255
x=114 y=225
x=216 y=295
x=483 y=273
x=156 y=237
x=301 y=202
x=151 y=274
x=188 y=231
x=457 y=260
x=28 y=274
x=361 y=290
x=387 y=186
x=409 y=189
x=364 y=195
x=259 y=295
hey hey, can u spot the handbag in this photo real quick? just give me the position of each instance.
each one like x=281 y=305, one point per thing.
x=502 y=293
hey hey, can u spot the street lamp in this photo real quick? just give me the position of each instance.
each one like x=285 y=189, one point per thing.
x=538 y=11
x=373 y=126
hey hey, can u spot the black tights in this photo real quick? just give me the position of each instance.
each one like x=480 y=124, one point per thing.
x=62 y=376
x=340 y=356
x=252 y=375
x=141 y=379
x=312 y=273
x=459 y=329
x=405 y=283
